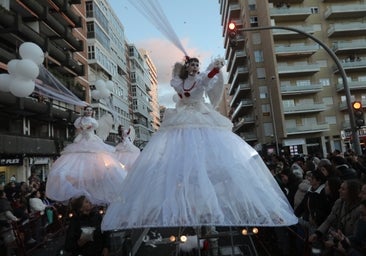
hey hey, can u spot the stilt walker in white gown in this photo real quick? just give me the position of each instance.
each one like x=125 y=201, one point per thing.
x=86 y=167
x=195 y=171
x=126 y=151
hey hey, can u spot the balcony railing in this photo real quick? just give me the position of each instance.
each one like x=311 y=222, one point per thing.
x=311 y=68
x=243 y=104
x=241 y=90
x=352 y=85
x=304 y=108
x=290 y=14
x=303 y=89
x=349 y=46
x=345 y=11
x=282 y=50
x=314 y=128
x=347 y=29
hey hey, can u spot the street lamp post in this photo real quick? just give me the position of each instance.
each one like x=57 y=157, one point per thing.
x=356 y=139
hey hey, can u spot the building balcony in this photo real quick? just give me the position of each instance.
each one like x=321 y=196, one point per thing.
x=296 y=50
x=342 y=47
x=229 y=12
x=345 y=11
x=344 y=107
x=245 y=120
x=305 y=129
x=240 y=74
x=301 y=90
x=290 y=14
x=352 y=66
x=17 y=144
x=247 y=136
x=232 y=13
x=304 y=108
x=288 y=70
x=242 y=108
x=230 y=51
x=235 y=58
x=352 y=85
x=279 y=2
x=347 y=29
x=241 y=91
x=283 y=34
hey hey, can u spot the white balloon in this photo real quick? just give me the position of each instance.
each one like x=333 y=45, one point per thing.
x=95 y=95
x=100 y=84
x=104 y=93
x=12 y=66
x=21 y=88
x=31 y=51
x=109 y=85
x=27 y=68
x=4 y=82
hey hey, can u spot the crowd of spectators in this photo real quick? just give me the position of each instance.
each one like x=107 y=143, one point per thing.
x=24 y=209
x=328 y=195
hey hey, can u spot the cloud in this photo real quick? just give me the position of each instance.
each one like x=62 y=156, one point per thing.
x=164 y=55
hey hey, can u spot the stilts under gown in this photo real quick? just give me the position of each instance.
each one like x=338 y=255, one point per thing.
x=195 y=171
x=86 y=167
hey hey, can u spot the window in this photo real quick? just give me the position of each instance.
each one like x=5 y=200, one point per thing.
x=303 y=82
x=268 y=129
x=261 y=73
x=254 y=21
x=258 y=55
x=256 y=38
x=90 y=29
x=324 y=82
x=331 y=120
x=91 y=52
x=89 y=9
x=314 y=10
x=263 y=92
x=266 y=109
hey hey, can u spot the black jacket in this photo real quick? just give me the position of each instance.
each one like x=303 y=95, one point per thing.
x=92 y=248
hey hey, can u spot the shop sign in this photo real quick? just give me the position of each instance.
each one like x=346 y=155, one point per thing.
x=6 y=161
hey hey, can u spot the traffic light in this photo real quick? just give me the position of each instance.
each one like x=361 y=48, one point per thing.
x=358 y=113
x=232 y=33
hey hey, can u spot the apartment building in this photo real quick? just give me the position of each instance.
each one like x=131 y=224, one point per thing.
x=154 y=99
x=34 y=129
x=141 y=99
x=108 y=61
x=287 y=91
x=83 y=42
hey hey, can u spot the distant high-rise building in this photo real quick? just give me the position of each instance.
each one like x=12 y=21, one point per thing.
x=287 y=92
x=154 y=100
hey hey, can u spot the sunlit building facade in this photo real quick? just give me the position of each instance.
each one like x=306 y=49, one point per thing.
x=287 y=93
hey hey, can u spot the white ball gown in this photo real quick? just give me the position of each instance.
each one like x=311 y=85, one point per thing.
x=126 y=152
x=86 y=167
x=195 y=172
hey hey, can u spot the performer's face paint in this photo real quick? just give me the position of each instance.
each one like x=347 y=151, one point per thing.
x=193 y=68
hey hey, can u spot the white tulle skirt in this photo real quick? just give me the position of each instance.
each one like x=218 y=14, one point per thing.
x=86 y=167
x=198 y=176
x=127 y=153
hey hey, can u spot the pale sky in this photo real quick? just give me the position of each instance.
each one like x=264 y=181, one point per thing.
x=197 y=24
